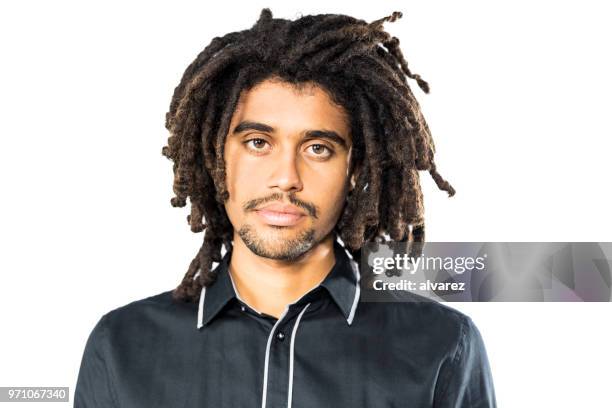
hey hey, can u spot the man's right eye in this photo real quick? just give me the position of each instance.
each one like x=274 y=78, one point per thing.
x=256 y=144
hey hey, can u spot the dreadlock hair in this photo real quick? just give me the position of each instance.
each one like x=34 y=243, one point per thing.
x=362 y=69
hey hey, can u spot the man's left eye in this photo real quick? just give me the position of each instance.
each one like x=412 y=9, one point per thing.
x=320 y=150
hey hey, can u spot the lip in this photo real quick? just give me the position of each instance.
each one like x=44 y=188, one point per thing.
x=282 y=208
x=280 y=214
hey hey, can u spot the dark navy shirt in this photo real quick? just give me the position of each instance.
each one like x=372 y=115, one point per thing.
x=331 y=348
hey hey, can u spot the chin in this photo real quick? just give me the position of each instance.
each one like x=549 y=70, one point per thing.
x=281 y=245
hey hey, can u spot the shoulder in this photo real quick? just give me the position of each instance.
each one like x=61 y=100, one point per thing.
x=153 y=315
x=137 y=308
x=409 y=315
x=412 y=306
x=163 y=299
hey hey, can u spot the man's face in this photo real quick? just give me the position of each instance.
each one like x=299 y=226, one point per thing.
x=287 y=149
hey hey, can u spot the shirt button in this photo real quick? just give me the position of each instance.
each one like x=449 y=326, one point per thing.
x=280 y=336
x=242 y=308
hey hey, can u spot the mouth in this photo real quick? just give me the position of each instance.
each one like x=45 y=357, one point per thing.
x=278 y=218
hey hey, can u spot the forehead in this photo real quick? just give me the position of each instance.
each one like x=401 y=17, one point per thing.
x=286 y=106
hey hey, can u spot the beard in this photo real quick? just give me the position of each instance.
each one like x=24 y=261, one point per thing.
x=277 y=248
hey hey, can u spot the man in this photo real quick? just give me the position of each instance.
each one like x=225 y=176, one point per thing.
x=296 y=142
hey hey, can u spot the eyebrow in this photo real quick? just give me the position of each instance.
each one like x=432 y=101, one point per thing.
x=319 y=134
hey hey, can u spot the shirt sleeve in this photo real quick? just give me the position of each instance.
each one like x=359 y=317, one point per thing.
x=94 y=388
x=465 y=380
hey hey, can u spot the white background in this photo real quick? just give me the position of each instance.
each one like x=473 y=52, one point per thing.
x=519 y=110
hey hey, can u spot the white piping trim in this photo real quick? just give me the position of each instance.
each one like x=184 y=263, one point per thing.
x=357 y=293
x=291 y=349
x=238 y=294
x=201 y=307
x=265 y=380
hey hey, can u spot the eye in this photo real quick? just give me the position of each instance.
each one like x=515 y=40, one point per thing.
x=257 y=145
x=320 y=150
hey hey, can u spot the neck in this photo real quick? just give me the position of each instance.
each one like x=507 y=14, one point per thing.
x=269 y=285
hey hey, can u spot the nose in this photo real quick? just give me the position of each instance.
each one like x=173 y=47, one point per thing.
x=285 y=174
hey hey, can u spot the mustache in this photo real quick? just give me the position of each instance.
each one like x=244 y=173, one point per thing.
x=311 y=209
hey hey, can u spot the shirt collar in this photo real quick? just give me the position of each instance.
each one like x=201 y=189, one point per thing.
x=342 y=283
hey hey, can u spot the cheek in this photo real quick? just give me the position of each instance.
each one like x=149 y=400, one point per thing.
x=237 y=185
x=240 y=173
x=329 y=190
x=244 y=179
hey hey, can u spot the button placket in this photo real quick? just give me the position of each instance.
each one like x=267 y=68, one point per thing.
x=269 y=387
x=278 y=374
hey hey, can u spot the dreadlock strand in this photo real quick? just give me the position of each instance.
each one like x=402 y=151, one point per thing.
x=350 y=33
x=394 y=49
x=226 y=117
x=396 y=15
x=440 y=182
x=208 y=72
x=308 y=27
x=374 y=156
x=216 y=45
